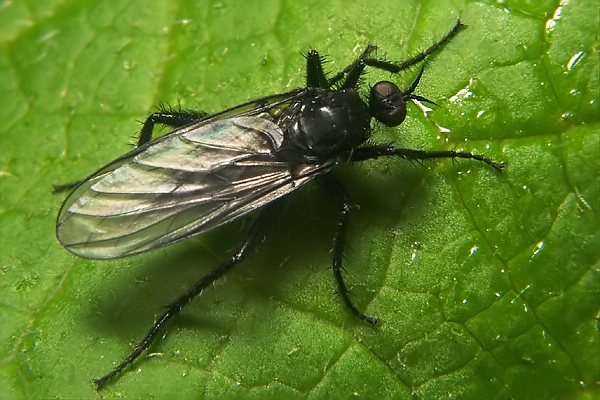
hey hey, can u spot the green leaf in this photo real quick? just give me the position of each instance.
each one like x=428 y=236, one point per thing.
x=487 y=284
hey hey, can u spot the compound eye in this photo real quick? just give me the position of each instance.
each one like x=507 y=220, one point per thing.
x=387 y=104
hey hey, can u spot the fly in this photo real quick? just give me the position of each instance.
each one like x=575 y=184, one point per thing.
x=213 y=169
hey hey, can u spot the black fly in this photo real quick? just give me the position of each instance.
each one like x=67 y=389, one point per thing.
x=213 y=169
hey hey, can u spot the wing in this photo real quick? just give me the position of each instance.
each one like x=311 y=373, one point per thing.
x=180 y=185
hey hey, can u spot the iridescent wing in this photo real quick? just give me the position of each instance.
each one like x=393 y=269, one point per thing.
x=180 y=185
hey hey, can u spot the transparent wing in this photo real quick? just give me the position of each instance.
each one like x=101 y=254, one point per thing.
x=180 y=185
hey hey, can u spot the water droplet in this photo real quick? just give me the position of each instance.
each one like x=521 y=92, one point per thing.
x=442 y=129
x=538 y=247
x=292 y=351
x=48 y=35
x=424 y=109
x=415 y=248
x=545 y=334
x=461 y=95
x=551 y=23
x=513 y=301
x=184 y=21
x=582 y=199
x=154 y=355
x=574 y=60
x=473 y=250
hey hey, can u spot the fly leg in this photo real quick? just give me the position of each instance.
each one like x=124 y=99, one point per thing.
x=173 y=118
x=395 y=67
x=176 y=306
x=338 y=247
x=315 y=76
x=353 y=71
x=376 y=151
x=65 y=187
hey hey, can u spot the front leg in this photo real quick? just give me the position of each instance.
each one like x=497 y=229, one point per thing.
x=395 y=67
x=376 y=151
x=355 y=68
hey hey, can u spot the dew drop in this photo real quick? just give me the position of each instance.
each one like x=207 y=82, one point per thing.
x=461 y=95
x=574 y=60
x=538 y=247
x=415 y=248
x=473 y=250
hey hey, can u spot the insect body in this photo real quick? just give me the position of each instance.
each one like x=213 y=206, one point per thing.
x=213 y=169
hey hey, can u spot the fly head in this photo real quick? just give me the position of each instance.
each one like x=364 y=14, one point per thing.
x=387 y=103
